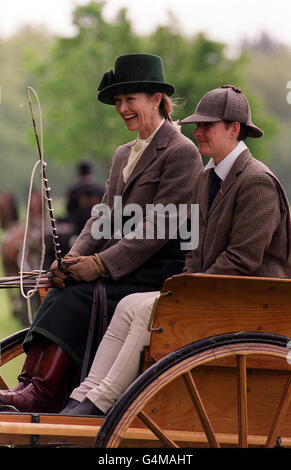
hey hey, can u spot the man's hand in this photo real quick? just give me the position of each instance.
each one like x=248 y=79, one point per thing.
x=84 y=268
x=57 y=275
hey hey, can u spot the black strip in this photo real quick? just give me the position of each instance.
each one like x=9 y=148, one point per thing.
x=34 y=438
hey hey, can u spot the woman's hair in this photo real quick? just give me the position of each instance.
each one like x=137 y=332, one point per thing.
x=166 y=107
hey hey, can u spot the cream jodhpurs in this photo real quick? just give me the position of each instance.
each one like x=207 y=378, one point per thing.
x=117 y=359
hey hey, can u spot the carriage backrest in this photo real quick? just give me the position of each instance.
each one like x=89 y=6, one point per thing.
x=196 y=306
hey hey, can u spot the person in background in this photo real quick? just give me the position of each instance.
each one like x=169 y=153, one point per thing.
x=83 y=195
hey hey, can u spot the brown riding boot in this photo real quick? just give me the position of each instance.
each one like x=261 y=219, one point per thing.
x=30 y=364
x=48 y=387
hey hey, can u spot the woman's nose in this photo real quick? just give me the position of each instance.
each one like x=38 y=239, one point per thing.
x=122 y=106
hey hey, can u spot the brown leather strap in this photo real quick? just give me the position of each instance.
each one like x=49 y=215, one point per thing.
x=99 y=310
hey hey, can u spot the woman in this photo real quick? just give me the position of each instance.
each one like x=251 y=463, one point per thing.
x=158 y=168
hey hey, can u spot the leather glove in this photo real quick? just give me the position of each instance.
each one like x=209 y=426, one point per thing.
x=84 y=268
x=57 y=275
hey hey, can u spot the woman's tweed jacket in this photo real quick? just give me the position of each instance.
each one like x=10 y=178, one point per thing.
x=164 y=174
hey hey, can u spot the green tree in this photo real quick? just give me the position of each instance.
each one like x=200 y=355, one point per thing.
x=197 y=65
x=17 y=141
x=77 y=125
x=13 y=110
x=67 y=71
x=266 y=74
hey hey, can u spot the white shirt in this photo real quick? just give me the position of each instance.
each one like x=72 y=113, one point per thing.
x=223 y=168
x=136 y=152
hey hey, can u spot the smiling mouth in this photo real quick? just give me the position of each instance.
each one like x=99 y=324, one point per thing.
x=128 y=118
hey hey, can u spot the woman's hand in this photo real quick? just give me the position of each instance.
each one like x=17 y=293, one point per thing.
x=58 y=276
x=84 y=268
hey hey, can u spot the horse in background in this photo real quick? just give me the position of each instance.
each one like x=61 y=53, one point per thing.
x=13 y=231
x=86 y=194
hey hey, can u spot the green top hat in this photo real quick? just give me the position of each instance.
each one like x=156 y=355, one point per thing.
x=134 y=73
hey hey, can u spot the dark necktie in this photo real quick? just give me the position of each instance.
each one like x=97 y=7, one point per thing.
x=214 y=186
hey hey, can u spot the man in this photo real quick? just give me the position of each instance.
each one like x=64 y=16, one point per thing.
x=244 y=224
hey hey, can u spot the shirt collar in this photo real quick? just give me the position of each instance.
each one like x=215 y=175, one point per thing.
x=148 y=139
x=223 y=168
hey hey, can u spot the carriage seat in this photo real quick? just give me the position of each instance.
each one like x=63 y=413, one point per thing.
x=196 y=306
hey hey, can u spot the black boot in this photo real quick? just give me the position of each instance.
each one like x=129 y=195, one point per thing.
x=70 y=405
x=84 y=408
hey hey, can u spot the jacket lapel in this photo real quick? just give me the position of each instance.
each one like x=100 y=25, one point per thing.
x=236 y=169
x=124 y=157
x=204 y=190
x=160 y=141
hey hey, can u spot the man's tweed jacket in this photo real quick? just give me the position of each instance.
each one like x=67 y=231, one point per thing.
x=164 y=174
x=247 y=229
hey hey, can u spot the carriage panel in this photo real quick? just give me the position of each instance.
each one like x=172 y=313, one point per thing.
x=193 y=307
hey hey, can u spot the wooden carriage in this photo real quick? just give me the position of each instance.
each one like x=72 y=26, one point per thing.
x=216 y=374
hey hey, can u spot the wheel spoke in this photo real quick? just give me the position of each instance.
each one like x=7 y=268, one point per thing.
x=157 y=430
x=280 y=414
x=223 y=359
x=242 y=402
x=204 y=418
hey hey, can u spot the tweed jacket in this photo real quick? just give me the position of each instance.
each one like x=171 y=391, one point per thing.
x=164 y=174
x=247 y=229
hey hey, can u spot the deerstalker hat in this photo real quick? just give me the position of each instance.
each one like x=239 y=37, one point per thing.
x=227 y=103
x=134 y=73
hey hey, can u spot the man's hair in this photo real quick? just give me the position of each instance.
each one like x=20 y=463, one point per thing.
x=243 y=133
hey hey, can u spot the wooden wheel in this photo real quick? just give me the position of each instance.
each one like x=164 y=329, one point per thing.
x=228 y=390
x=10 y=348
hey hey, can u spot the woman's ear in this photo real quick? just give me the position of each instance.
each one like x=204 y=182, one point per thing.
x=157 y=98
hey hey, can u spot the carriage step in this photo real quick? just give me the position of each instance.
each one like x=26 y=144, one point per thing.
x=33 y=430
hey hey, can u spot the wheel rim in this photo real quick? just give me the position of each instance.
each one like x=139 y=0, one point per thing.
x=183 y=363
x=11 y=346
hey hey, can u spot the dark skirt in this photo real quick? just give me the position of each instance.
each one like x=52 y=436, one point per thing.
x=64 y=315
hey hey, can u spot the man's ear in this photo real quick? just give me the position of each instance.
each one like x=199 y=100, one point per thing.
x=235 y=129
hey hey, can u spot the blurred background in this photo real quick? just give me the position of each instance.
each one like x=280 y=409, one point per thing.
x=62 y=48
